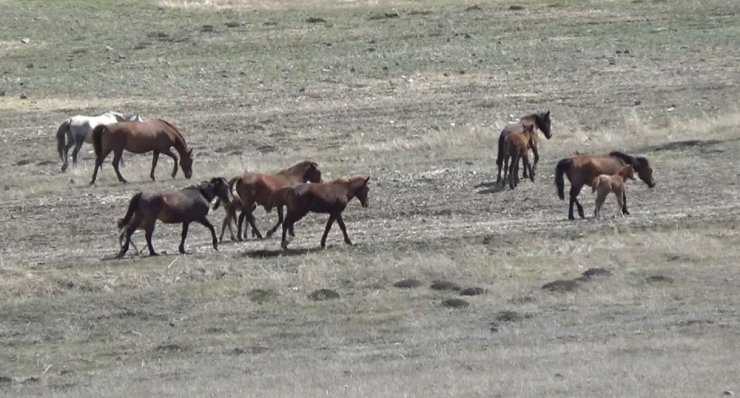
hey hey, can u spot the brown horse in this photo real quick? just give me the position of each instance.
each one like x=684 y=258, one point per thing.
x=331 y=198
x=582 y=169
x=516 y=147
x=605 y=184
x=541 y=121
x=257 y=189
x=190 y=204
x=152 y=135
x=233 y=208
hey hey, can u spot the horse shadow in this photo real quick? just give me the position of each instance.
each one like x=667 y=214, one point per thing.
x=488 y=187
x=269 y=253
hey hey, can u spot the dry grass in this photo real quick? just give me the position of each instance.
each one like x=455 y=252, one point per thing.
x=417 y=102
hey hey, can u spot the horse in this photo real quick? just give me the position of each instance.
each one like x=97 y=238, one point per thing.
x=257 y=189
x=582 y=169
x=541 y=121
x=331 y=198
x=605 y=184
x=78 y=130
x=516 y=147
x=154 y=135
x=235 y=206
x=190 y=204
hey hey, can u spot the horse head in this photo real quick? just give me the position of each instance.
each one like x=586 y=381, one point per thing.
x=543 y=123
x=628 y=172
x=362 y=190
x=220 y=188
x=186 y=162
x=311 y=172
x=644 y=171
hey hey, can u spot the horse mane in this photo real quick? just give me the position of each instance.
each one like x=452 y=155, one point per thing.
x=629 y=159
x=174 y=128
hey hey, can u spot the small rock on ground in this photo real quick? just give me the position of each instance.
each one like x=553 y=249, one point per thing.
x=455 y=303
x=659 y=278
x=408 y=283
x=596 y=272
x=472 y=291
x=561 y=285
x=323 y=294
x=445 y=285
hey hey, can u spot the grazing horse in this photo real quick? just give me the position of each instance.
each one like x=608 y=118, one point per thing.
x=153 y=135
x=605 y=183
x=541 y=121
x=235 y=206
x=516 y=147
x=331 y=198
x=190 y=204
x=582 y=169
x=78 y=129
x=257 y=188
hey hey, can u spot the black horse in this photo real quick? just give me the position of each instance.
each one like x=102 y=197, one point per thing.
x=187 y=205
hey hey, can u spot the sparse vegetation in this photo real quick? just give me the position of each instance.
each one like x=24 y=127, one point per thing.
x=413 y=94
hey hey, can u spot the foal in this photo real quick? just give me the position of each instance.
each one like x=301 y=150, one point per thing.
x=331 y=198
x=233 y=208
x=516 y=146
x=604 y=184
x=187 y=205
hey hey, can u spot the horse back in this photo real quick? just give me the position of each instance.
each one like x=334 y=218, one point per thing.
x=585 y=168
x=183 y=205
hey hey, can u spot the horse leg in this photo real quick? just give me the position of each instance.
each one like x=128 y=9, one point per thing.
x=250 y=218
x=148 y=232
x=332 y=217
x=208 y=225
x=116 y=160
x=536 y=160
x=98 y=165
x=290 y=219
x=184 y=235
x=574 y=191
x=624 y=202
x=528 y=166
x=343 y=228
x=128 y=232
x=513 y=170
x=506 y=170
x=69 y=144
x=619 y=193
x=75 y=152
x=279 y=222
x=155 y=158
x=600 y=197
x=169 y=153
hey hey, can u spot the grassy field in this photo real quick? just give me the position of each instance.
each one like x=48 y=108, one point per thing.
x=413 y=94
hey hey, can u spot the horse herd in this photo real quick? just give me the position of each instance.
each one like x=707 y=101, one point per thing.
x=299 y=189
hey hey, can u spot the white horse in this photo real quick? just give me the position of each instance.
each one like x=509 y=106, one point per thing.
x=78 y=130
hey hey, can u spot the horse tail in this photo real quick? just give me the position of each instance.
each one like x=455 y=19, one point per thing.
x=61 y=134
x=132 y=205
x=97 y=136
x=561 y=169
x=500 y=156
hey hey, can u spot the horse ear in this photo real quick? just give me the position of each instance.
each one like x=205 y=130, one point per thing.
x=190 y=152
x=367 y=179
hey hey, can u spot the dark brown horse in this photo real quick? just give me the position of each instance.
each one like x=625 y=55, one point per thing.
x=187 y=205
x=154 y=135
x=257 y=188
x=331 y=198
x=516 y=147
x=582 y=169
x=541 y=121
